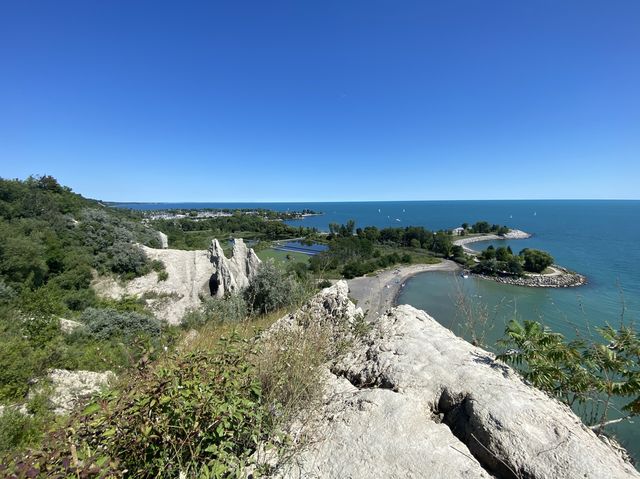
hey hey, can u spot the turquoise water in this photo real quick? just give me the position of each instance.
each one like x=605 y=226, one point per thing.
x=596 y=238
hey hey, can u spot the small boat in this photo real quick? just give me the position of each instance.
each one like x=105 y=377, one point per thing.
x=398 y=219
x=378 y=210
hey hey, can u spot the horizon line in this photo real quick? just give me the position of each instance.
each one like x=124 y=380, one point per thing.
x=357 y=201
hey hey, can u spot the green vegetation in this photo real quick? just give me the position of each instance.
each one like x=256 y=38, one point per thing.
x=200 y=413
x=371 y=249
x=536 y=261
x=190 y=234
x=52 y=244
x=232 y=309
x=579 y=372
x=272 y=289
x=282 y=256
x=483 y=227
x=502 y=261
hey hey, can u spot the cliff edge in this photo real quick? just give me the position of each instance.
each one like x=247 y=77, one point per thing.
x=413 y=400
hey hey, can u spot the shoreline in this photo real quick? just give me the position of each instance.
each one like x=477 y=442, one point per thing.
x=378 y=294
x=511 y=235
x=560 y=278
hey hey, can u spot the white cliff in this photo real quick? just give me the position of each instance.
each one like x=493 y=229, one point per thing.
x=414 y=400
x=192 y=275
x=233 y=274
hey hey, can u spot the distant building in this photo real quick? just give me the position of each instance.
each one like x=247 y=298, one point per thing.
x=459 y=231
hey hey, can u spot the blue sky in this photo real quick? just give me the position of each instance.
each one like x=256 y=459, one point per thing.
x=331 y=100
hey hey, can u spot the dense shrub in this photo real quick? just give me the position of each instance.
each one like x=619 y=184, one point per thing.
x=103 y=324
x=272 y=289
x=28 y=345
x=7 y=293
x=200 y=414
x=17 y=429
x=357 y=268
x=231 y=309
x=127 y=259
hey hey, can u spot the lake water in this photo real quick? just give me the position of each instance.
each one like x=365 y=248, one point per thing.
x=298 y=247
x=599 y=239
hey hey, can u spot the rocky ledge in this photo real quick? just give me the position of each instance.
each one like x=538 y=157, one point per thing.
x=414 y=400
x=561 y=278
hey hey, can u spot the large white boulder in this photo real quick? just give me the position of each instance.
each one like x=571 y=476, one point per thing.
x=71 y=387
x=414 y=400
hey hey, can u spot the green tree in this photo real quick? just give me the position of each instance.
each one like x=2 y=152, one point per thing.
x=536 y=261
x=502 y=254
x=578 y=371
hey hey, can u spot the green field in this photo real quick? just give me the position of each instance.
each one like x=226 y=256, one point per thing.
x=281 y=256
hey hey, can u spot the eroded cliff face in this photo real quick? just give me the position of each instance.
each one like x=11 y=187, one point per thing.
x=414 y=400
x=192 y=275
x=231 y=275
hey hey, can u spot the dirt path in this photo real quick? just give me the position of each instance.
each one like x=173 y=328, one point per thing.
x=376 y=294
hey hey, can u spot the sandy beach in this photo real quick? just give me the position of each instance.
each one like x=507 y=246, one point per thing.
x=465 y=240
x=377 y=294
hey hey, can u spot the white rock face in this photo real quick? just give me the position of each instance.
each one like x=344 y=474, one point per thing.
x=332 y=305
x=68 y=325
x=517 y=234
x=70 y=387
x=164 y=240
x=233 y=274
x=189 y=273
x=414 y=400
x=191 y=277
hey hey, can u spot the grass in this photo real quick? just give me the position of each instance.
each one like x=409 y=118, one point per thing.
x=281 y=256
x=209 y=335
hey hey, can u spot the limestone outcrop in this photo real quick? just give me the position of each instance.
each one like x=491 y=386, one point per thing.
x=70 y=387
x=68 y=325
x=230 y=275
x=192 y=275
x=164 y=240
x=188 y=279
x=414 y=400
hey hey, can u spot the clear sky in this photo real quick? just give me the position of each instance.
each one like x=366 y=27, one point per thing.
x=323 y=100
